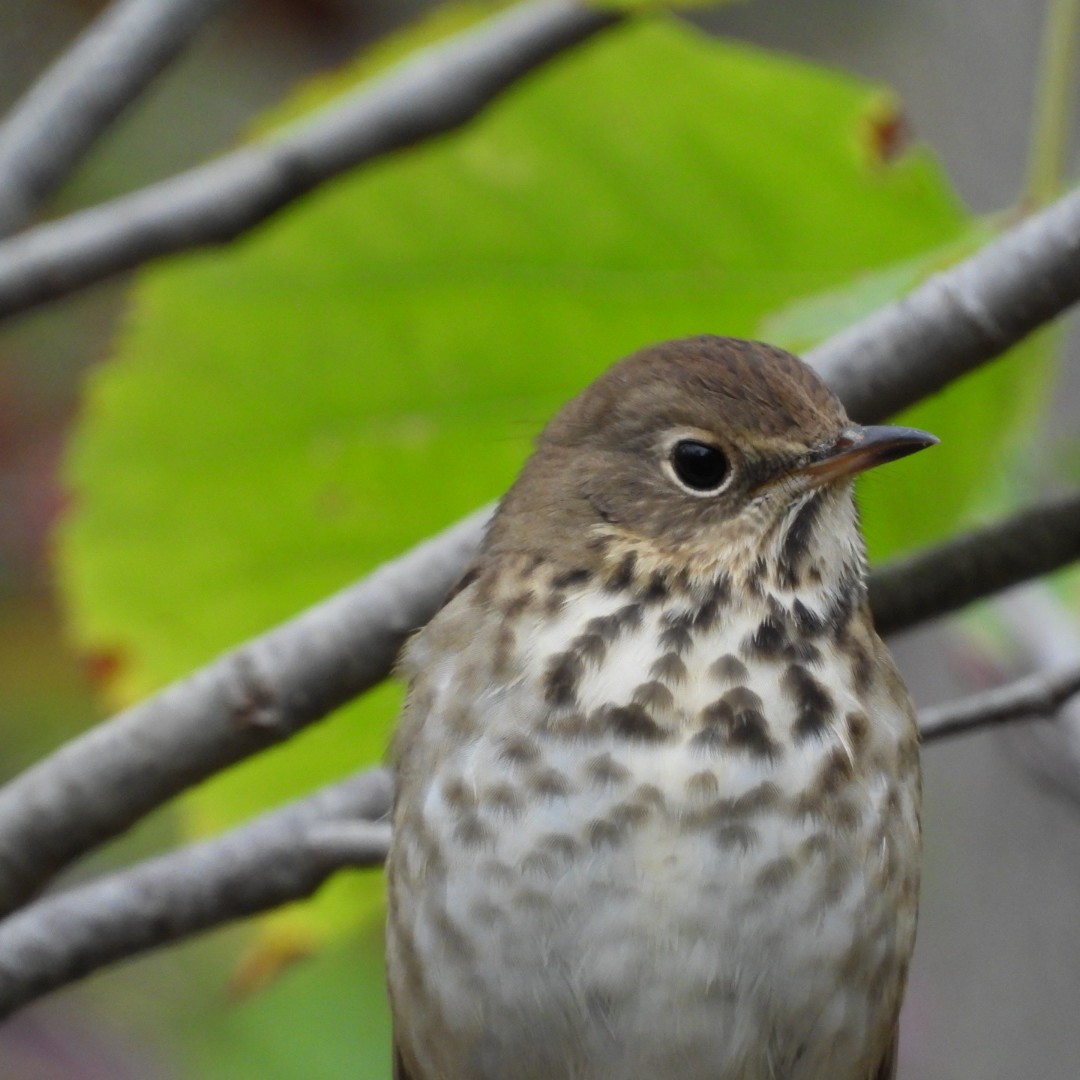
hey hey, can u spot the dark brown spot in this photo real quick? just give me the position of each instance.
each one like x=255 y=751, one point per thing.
x=670 y=668
x=796 y=543
x=630 y=813
x=568 y=578
x=813 y=703
x=473 y=833
x=649 y=795
x=518 y=604
x=841 y=813
x=602 y=833
x=550 y=783
x=503 y=799
x=763 y=796
x=834 y=774
x=628 y=617
x=736 y=722
x=562 y=725
x=653 y=696
x=776 y=874
x=623 y=575
x=554 y=602
x=769 y=641
x=712 y=739
x=858 y=725
x=803 y=651
x=850 y=594
x=908 y=755
x=750 y=732
x=656 y=589
x=741 y=699
x=631 y=722
x=807 y=622
x=706 y=615
x=539 y=864
x=702 y=785
x=610 y=627
x=561 y=680
x=561 y=845
x=718 y=715
x=730 y=669
x=676 y=635
x=605 y=770
x=816 y=845
x=591 y=647
x=459 y=716
x=453 y=940
x=720 y=593
x=682 y=582
x=736 y=834
x=862 y=667
x=458 y=795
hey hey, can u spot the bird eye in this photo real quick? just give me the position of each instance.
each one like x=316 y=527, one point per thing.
x=699 y=466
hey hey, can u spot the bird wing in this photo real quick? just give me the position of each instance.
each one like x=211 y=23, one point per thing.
x=400 y=1072
x=887 y=1069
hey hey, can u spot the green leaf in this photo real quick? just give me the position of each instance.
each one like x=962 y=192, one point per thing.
x=284 y=414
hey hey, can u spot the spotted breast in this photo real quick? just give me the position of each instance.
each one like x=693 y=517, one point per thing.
x=658 y=781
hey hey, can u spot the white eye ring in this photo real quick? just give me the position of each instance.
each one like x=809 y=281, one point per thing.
x=698 y=466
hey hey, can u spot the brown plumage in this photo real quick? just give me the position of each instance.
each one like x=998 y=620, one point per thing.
x=657 y=776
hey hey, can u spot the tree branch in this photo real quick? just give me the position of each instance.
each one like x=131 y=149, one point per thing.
x=1037 y=696
x=433 y=92
x=958 y=319
x=282 y=856
x=65 y=112
x=968 y=567
x=99 y=784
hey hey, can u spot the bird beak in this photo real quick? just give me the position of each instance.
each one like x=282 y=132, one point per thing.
x=858 y=448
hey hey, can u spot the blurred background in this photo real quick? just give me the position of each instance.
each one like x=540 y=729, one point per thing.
x=997 y=974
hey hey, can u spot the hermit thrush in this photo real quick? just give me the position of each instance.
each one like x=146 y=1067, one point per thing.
x=658 y=779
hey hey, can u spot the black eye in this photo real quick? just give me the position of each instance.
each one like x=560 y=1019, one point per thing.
x=698 y=465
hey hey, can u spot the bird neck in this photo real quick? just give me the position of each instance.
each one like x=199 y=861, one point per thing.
x=808 y=561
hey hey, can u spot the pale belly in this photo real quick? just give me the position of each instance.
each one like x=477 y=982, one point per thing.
x=646 y=911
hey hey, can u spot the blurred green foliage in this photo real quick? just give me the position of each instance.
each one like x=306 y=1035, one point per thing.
x=282 y=415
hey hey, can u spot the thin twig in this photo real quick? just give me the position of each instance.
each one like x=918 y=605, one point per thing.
x=99 y=784
x=966 y=568
x=1046 y=636
x=66 y=111
x=1037 y=696
x=432 y=92
x=282 y=856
